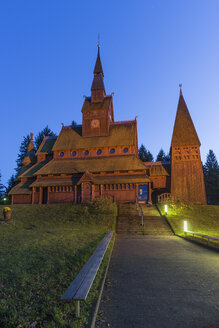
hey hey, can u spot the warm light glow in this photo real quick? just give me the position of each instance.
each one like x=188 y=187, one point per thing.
x=165 y=208
x=185 y=226
x=4 y=198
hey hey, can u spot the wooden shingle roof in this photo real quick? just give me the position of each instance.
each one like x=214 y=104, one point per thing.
x=120 y=135
x=90 y=106
x=104 y=164
x=184 y=133
x=21 y=188
x=34 y=168
x=46 y=145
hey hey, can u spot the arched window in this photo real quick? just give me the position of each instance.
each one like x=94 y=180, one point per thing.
x=125 y=150
x=74 y=153
x=112 y=150
x=86 y=152
x=99 y=152
x=61 y=154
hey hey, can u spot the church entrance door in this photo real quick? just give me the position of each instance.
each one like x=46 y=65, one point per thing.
x=87 y=191
x=143 y=192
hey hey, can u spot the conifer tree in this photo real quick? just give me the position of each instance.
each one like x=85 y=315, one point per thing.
x=11 y=183
x=22 y=152
x=211 y=175
x=73 y=123
x=46 y=132
x=162 y=157
x=2 y=187
x=144 y=154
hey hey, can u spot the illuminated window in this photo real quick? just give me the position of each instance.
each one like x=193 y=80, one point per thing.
x=61 y=154
x=112 y=151
x=125 y=150
x=74 y=153
x=86 y=152
x=99 y=152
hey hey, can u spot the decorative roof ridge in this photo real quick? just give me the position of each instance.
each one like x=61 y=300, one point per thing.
x=124 y=122
x=153 y=163
x=93 y=157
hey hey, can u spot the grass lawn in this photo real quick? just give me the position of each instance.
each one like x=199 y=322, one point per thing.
x=42 y=249
x=200 y=218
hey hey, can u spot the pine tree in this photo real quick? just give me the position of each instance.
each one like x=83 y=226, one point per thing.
x=73 y=123
x=2 y=187
x=11 y=183
x=211 y=175
x=46 y=132
x=144 y=154
x=162 y=157
x=22 y=152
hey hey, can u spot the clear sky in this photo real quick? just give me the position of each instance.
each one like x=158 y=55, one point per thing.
x=48 y=50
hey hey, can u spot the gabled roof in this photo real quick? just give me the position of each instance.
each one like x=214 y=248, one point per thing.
x=46 y=145
x=21 y=188
x=158 y=168
x=120 y=134
x=34 y=168
x=30 y=158
x=104 y=164
x=184 y=133
x=90 y=106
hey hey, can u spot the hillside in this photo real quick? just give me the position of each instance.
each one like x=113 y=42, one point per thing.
x=42 y=249
x=200 y=218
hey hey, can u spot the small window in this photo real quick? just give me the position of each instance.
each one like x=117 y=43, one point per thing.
x=112 y=151
x=74 y=153
x=112 y=187
x=120 y=186
x=61 y=154
x=99 y=152
x=125 y=150
x=86 y=152
x=133 y=186
x=61 y=189
x=128 y=186
x=104 y=187
x=116 y=187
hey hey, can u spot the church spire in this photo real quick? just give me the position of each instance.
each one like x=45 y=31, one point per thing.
x=184 y=133
x=97 y=87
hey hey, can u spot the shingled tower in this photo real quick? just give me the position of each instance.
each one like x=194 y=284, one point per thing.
x=187 y=181
x=98 y=109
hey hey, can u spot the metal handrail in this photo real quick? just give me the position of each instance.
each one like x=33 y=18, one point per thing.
x=140 y=209
x=201 y=235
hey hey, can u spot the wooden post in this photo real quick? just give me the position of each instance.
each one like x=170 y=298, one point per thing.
x=41 y=195
x=92 y=192
x=48 y=194
x=33 y=194
x=149 y=186
x=12 y=199
x=77 y=312
x=101 y=191
x=75 y=191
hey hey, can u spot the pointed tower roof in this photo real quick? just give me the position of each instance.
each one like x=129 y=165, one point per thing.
x=98 y=83
x=184 y=133
x=98 y=66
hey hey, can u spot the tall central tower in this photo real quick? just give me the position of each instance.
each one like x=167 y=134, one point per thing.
x=187 y=181
x=97 y=110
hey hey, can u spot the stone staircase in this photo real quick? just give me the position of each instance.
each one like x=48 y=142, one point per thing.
x=129 y=221
x=154 y=224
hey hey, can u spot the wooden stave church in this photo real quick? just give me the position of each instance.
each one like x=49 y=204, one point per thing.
x=100 y=159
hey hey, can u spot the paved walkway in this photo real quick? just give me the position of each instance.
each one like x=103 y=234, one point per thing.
x=160 y=282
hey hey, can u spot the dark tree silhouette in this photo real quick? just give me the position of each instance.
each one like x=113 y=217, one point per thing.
x=22 y=153
x=73 y=123
x=162 y=157
x=2 y=187
x=46 y=132
x=11 y=183
x=144 y=154
x=211 y=175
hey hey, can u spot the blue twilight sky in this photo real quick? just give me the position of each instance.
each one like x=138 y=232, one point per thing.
x=48 y=51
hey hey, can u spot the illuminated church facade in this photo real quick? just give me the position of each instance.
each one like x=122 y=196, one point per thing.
x=100 y=159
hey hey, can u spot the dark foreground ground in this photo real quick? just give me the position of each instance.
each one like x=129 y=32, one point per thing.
x=160 y=282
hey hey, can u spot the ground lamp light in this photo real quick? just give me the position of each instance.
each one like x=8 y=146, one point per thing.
x=165 y=209
x=185 y=226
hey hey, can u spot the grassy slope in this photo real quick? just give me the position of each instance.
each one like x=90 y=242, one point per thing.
x=200 y=218
x=42 y=249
